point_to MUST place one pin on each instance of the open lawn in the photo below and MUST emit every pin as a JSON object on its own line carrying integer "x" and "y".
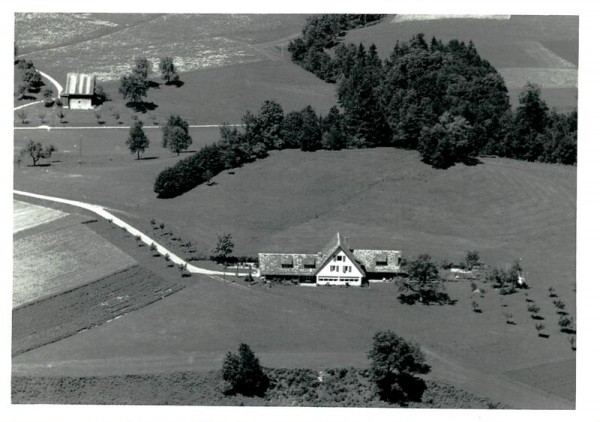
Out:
{"x": 210, "y": 96}
{"x": 381, "y": 198}
{"x": 311, "y": 327}
{"x": 105, "y": 147}
{"x": 539, "y": 49}
{"x": 60, "y": 255}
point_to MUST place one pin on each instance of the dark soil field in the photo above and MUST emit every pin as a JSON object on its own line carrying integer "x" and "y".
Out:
{"x": 87, "y": 306}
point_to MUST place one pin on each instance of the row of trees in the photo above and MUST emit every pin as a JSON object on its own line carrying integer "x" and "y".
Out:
{"x": 320, "y": 34}
{"x": 394, "y": 365}
{"x": 269, "y": 129}
{"x": 134, "y": 86}
{"x": 442, "y": 99}
{"x": 175, "y": 136}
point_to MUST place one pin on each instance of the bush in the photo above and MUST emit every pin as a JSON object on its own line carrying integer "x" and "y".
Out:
{"x": 566, "y": 324}
{"x": 244, "y": 372}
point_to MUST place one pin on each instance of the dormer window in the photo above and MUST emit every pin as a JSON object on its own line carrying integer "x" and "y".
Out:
{"x": 381, "y": 260}
{"x": 309, "y": 263}
{"x": 287, "y": 262}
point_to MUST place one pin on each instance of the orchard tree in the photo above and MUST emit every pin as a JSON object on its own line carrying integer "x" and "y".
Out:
{"x": 137, "y": 140}
{"x": 167, "y": 70}
{"x": 224, "y": 248}
{"x": 37, "y": 151}
{"x": 394, "y": 361}
{"x": 141, "y": 68}
{"x": 244, "y": 373}
{"x": 176, "y": 134}
{"x": 133, "y": 87}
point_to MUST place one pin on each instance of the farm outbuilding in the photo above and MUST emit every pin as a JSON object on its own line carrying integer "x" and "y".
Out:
{"x": 335, "y": 264}
{"x": 79, "y": 91}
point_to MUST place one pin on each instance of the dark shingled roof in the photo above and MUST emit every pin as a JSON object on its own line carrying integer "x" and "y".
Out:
{"x": 365, "y": 260}
{"x": 369, "y": 258}
{"x": 270, "y": 263}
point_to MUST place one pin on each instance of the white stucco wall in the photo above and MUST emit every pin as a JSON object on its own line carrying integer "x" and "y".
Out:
{"x": 80, "y": 104}
{"x": 337, "y": 275}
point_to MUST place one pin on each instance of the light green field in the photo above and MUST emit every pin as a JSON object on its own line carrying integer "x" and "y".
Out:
{"x": 61, "y": 255}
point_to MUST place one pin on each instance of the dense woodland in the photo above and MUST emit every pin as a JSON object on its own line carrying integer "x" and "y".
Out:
{"x": 441, "y": 99}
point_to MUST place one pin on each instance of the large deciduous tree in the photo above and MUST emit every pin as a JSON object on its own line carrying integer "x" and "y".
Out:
{"x": 394, "y": 361}
{"x": 421, "y": 283}
{"x": 223, "y": 249}
{"x": 37, "y": 151}
{"x": 137, "y": 140}
{"x": 133, "y": 87}
{"x": 176, "y": 134}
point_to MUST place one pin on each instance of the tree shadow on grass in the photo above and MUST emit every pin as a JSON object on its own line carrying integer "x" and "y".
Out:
{"x": 177, "y": 84}
{"x": 148, "y": 158}
{"x": 152, "y": 84}
{"x": 141, "y": 106}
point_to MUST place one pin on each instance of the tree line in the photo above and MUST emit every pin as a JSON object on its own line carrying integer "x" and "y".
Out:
{"x": 440, "y": 98}
{"x": 320, "y": 34}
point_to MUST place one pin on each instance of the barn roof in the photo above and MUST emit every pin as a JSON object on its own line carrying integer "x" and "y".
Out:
{"x": 79, "y": 84}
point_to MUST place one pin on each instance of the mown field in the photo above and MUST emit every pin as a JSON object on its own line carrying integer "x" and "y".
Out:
{"x": 382, "y": 198}
{"x": 294, "y": 201}
{"x": 538, "y": 49}
{"x": 59, "y": 255}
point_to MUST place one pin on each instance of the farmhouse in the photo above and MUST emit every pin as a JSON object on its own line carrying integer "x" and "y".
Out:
{"x": 335, "y": 264}
{"x": 79, "y": 91}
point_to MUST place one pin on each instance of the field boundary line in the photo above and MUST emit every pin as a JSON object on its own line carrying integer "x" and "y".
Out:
{"x": 46, "y": 127}
{"x": 101, "y": 211}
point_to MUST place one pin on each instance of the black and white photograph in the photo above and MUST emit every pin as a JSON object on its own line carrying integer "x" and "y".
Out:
{"x": 365, "y": 209}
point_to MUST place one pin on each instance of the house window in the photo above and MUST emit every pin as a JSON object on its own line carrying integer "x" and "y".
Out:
{"x": 339, "y": 257}
{"x": 347, "y": 268}
{"x": 309, "y": 265}
{"x": 287, "y": 265}
{"x": 332, "y": 268}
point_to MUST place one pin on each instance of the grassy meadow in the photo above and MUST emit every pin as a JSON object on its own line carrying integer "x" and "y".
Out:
{"x": 295, "y": 201}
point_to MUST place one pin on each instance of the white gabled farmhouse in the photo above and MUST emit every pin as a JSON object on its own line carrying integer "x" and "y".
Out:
{"x": 336, "y": 264}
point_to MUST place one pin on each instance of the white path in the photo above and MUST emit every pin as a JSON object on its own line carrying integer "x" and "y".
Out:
{"x": 58, "y": 86}
{"x": 45, "y": 127}
{"x": 53, "y": 81}
{"x": 101, "y": 211}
